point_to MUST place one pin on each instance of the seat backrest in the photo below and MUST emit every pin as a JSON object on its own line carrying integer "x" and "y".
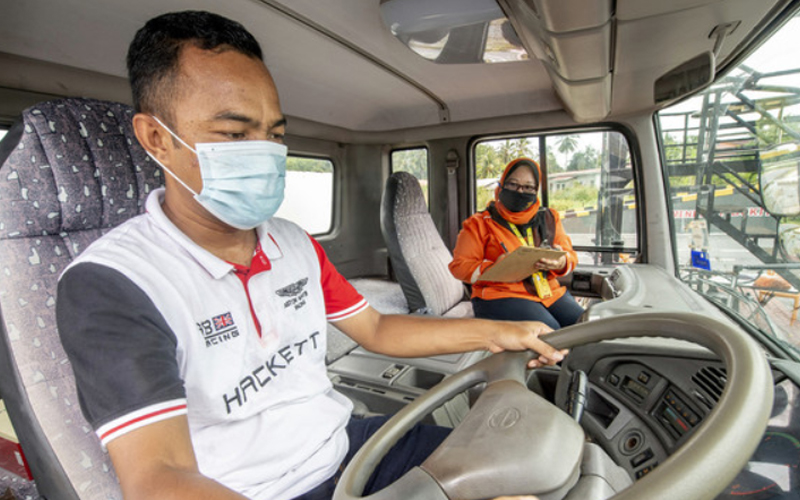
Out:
{"x": 418, "y": 254}
{"x": 69, "y": 171}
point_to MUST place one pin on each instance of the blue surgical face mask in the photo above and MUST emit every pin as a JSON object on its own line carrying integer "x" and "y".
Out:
{"x": 243, "y": 181}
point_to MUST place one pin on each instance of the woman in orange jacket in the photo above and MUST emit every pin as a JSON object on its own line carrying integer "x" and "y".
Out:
{"x": 514, "y": 219}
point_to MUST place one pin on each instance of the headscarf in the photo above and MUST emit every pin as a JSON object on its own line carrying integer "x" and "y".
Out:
{"x": 517, "y": 218}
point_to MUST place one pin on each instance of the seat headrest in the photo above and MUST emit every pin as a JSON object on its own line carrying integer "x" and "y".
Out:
{"x": 70, "y": 165}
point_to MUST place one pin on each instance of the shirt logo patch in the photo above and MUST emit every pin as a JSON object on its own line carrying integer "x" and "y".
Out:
{"x": 218, "y": 329}
{"x": 293, "y": 289}
{"x": 222, "y": 321}
{"x": 296, "y": 294}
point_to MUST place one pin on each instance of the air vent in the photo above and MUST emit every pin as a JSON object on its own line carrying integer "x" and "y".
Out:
{"x": 712, "y": 380}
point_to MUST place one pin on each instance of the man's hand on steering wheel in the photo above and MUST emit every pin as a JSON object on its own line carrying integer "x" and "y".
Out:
{"x": 524, "y": 335}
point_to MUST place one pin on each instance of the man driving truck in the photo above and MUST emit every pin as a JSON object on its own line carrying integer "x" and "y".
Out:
{"x": 190, "y": 367}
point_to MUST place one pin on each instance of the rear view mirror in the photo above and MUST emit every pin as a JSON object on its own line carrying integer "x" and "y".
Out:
{"x": 779, "y": 177}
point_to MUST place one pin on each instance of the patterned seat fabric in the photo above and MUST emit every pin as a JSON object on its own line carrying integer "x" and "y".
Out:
{"x": 418, "y": 253}
{"x": 71, "y": 170}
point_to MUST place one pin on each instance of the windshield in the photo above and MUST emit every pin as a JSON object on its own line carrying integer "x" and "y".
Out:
{"x": 728, "y": 245}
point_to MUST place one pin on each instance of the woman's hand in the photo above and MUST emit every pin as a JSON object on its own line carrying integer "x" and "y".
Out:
{"x": 552, "y": 264}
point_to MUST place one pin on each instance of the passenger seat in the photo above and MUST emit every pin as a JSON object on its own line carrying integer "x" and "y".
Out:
{"x": 418, "y": 254}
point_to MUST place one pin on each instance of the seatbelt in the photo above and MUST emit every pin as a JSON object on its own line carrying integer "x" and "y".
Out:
{"x": 452, "y": 163}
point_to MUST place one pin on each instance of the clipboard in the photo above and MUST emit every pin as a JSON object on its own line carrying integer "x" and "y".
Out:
{"x": 518, "y": 265}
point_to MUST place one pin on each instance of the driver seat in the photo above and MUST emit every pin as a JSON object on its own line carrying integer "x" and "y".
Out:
{"x": 70, "y": 170}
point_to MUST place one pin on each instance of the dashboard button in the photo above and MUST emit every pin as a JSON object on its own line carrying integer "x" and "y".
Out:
{"x": 641, "y": 458}
{"x": 645, "y": 471}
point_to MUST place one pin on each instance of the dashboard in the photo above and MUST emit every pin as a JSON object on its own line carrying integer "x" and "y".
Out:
{"x": 641, "y": 407}
{"x": 646, "y": 396}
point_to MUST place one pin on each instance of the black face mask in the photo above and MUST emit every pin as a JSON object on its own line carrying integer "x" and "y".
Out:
{"x": 516, "y": 201}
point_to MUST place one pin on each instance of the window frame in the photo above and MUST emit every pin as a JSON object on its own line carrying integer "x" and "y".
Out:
{"x": 604, "y": 252}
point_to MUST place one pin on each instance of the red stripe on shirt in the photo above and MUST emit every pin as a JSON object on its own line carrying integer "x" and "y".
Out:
{"x": 143, "y": 417}
{"x": 347, "y": 313}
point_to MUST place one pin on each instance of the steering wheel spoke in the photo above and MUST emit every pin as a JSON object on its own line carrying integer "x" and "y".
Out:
{"x": 512, "y": 441}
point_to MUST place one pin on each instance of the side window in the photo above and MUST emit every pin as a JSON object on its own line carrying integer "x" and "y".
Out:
{"x": 589, "y": 182}
{"x": 2, "y": 133}
{"x": 308, "y": 199}
{"x": 415, "y": 162}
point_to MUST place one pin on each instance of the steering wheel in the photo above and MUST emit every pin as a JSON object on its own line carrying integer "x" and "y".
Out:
{"x": 513, "y": 441}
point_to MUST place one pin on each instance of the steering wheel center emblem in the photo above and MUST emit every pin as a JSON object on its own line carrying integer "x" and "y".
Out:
{"x": 504, "y": 418}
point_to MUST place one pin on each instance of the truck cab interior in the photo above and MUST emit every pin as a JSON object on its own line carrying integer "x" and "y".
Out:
{"x": 668, "y": 138}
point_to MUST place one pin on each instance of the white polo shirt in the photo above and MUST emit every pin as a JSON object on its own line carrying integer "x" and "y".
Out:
{"x": 155, "y": 326}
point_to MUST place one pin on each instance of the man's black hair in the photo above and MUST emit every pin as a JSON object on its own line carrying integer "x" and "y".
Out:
{"x": 153, "y": 55}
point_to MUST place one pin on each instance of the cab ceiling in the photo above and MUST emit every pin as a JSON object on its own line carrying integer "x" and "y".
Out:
{"x": 336, "y": 63}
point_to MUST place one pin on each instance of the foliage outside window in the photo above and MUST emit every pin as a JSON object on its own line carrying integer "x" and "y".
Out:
{"x": 590, "y": 184}
{"x": 415, "y": 162}
{"x": 308, "y": 199}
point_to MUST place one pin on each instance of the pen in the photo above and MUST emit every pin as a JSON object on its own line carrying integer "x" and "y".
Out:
{"x": 505, "y": 250}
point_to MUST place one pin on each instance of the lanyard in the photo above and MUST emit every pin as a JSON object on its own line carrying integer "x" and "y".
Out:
{"x": 528, "y": 240}
{"x": 539, "y": 282}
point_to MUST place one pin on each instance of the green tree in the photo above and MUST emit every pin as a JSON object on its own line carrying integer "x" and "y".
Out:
{"x": 522, "y": 148}
{"x": 301, "y": 164}
{"x": 507, "y": 151}
{"x": 566, "y": 145}
{"x": 587, "y": 159}
{"x": 488, "y": 163}
{"x": 413, "y": 161}
{"x": 552, "y": 162}
{"x": 576, "y": 197}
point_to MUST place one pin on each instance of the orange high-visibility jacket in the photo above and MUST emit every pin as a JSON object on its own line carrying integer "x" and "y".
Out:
{"x": 478, "y": 247}
{"x": 479, "y": 244}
